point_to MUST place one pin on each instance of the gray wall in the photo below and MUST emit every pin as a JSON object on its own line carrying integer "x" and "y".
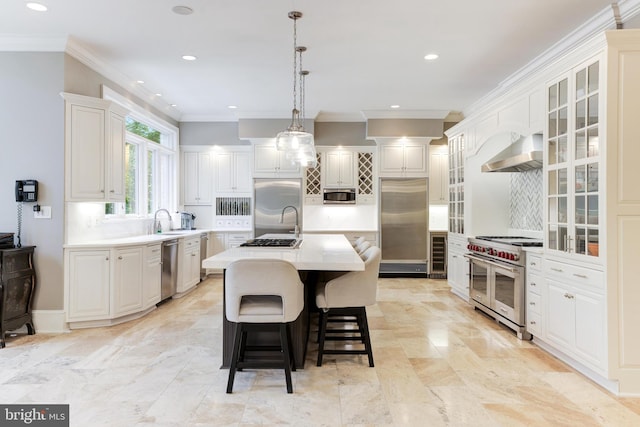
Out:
{"x": 32, "y": 147}
{"x": 210, "y": 133}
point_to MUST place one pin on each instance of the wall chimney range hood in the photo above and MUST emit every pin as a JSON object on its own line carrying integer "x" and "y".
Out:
{"x": 522, "y": 155}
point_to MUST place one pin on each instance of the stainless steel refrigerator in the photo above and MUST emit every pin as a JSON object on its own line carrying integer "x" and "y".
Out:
{"x": 403, "y": 226}
{"x": 271, "y": 196}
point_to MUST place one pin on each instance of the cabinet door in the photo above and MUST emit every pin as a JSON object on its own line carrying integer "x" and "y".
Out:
{"x": 392, "y": 159}
{"x": 266, "y": 159}
{"x": 560, "y": 314}
{"x": 116, "y": 157}
{"x": 151, "y": 290}
{"x": 224, "y": 172}
{"x": 438, "y": 175}
{"x": 204, "y": 184}
{"x": 589, "y": 332}
{"x": 339, "y": 170}
{"x": 242, "y": 174}
{"x": 88, "y": 285}
{"x": 127, "y": 281}
{"x": 85, "y": 152}
{"x": 190, "y": 178}
{"x": 415, "y": 159}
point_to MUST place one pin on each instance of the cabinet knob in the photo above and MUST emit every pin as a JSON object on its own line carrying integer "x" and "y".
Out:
{"x": 533, "y": 322}
{"x": 112, "y": 191}
{"x": 193, "y": 254}
{"x": 532, "y": 303}
{"x": 120, "y": 257}
{"x": 106, "y": 259}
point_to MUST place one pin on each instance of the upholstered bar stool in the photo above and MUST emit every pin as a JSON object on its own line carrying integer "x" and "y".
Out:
{"x": 358, "y": 241}
{"x": 362, "y": 247}
{"x": 342, "y": 301}
{"x": 262, "y": 295}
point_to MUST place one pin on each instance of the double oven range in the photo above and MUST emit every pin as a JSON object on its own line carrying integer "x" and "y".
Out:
{"x": 497, "y": 278}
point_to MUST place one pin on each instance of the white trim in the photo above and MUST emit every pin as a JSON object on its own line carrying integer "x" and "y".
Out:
{"x": 405, "y": 114}
{"x": 84, "y": 55}
{"x": 49, "y": 321}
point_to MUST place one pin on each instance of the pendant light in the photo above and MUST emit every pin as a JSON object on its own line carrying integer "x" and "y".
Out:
{"x": 295, "y": 141}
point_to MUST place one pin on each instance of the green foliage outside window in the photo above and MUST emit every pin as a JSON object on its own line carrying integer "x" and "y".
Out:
{"x": 143, "y": 130}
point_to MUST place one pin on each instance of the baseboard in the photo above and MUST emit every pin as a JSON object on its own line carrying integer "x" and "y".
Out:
{"x": 49, "y": 321}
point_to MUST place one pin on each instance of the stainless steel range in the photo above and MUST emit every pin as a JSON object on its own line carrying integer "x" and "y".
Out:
{"x": 497, "y": 278}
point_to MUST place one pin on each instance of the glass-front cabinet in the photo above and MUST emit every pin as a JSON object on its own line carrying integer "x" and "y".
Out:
{"x": 572, "y": 163}
{"x": 456, "y": 184}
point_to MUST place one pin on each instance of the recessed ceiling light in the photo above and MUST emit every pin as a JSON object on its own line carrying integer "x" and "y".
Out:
{"x": 37, "y": 7}
{"x": 232, "y": 107}
{"x": 140, "y": 82}
{"x": 158, "y": 94}
{"x": 182, "y": 10}
{"x": 189, "y": 57}
{"x": 431, "y": 56}
{"x": 174, "y": 105}
{"x": 395, "y": 106}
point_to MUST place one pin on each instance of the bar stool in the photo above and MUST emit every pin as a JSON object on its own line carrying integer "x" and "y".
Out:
{"x": 362, "y": 247}
{"x": 262, "y": 295}
{"x": 343, "y": 300}
{"x": 358, "y": 241}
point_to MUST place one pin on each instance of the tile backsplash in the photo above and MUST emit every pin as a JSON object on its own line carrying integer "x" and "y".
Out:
{"x": 526, "y": 200}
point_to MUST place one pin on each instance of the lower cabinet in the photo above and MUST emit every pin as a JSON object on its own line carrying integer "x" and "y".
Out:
{"x": 88, "y": 284}
{"x": 152, "y": 276}
{"x": 188, "y": 264}
{"x": 127, "y": 280}
{"x": 458, "y": 266}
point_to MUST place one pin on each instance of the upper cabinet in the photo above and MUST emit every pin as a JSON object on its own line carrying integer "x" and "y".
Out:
{"x": 271, "y": 163}
{"x": 403, "y": 158}
{"x": 456, "y": 184}
{"x": 573, "y": 161}
{"x": 197, "y": 177}
{"x": 339, "y": 169}
{"x": 233, "y": 171}
{"x": 94, "y": 149}
{"x": 438, "y": 174}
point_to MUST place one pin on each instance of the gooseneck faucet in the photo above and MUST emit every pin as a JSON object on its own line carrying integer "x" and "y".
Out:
{"x": 156, "y": 223}
{"x": 296, "y": 230}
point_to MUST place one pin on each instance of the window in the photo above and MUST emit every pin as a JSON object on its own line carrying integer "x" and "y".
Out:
{"x": 151, "y": 163}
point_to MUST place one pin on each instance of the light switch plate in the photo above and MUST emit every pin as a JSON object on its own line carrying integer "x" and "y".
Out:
{"x": 44, "y": 213}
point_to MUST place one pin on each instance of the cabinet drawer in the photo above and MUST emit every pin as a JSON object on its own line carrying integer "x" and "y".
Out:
{"x": 534, "y": 262}
{"x": 153, "y": 252}
{"x": 534, "y": 323}
{"x": 190, "y": 243}
{"x": 578, "y": 276}
{"x": 534, "y": 283}
{"x": 533, "y": 303}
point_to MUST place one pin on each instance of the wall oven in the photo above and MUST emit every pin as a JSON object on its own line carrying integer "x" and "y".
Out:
{"x": 497, "y": 279}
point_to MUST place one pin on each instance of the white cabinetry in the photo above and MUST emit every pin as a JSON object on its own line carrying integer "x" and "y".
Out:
{"x": 94, "y": 149}
{"x": 339, "y": 169}
{"x": 403, "y": 159}
{"x": 87, "y": 284}
{"x": 458, "y": 266}
{"x": 197, "y": 177}
{"x": 270, "y": 163}
{"x": 438, "y": 174}
{"x": 533, "y": 298}
{"x": 151, "y": 290}
{"x": 233, "y": 172}
{"x": 188, "y": 264}
{"x": 126, "y": 286}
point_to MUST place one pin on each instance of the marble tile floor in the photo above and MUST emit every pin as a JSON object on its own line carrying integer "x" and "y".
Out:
{"x": 438, "y": 363}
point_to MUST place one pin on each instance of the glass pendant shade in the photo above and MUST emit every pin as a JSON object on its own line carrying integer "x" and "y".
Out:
{"x": 304, "y": 155}
{"x": 288, "y": 140}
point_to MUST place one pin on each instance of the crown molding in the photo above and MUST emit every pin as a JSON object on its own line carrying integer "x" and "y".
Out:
{"x": 84, "y": 55}
{"x": 404, "y": 114}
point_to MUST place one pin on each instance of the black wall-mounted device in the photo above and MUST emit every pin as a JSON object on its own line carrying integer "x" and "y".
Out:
{"x": 27, "y": 190}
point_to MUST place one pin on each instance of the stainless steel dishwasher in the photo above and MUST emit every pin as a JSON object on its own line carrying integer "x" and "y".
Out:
{"x": 169, "y": 282}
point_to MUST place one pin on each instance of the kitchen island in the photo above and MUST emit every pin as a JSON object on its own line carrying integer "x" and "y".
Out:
{"x": 315, "y": 252}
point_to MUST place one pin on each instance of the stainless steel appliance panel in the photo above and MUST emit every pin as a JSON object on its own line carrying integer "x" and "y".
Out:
{"x": 271, "y": 196}
{"x": 204, "y": 243}
{"x": 169, "y": 279}
{"x": 403, "y": 225}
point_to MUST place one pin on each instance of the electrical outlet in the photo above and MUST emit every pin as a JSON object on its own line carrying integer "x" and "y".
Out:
{"x": 44, "y": 213}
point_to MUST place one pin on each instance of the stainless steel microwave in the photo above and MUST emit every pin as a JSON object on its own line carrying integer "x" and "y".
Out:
{"x": 339, "y": 196}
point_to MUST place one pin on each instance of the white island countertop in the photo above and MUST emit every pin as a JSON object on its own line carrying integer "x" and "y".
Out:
{"x": 315, "y": 252}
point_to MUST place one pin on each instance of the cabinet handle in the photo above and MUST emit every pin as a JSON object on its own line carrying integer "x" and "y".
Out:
{"x": 120, "y": 257}
{"x": 559, "y": 270}
{"x": 193, "y": 254}
{"x": 533, "y": 322}
{"x": 533, "y": 284}
{"x": 503, "y": 310}
{"x": 102, "y": 191}
{"x": 532, "y": 264}
{"x": 582, "y": 276}
{"x": 112, "y": 191}
{"x": 568, "y": 295}
{"x": 532, "y": 303}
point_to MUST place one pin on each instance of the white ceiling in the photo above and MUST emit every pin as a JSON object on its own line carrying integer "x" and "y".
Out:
{"x": 362, "y": 54}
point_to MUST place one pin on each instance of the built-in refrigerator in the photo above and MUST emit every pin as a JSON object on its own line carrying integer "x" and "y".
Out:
{"x": 271, "y": 196}
{"x": 404, "y": 220}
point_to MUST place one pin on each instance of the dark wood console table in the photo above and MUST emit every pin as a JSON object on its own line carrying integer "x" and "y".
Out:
{"x": 17, "y": 284}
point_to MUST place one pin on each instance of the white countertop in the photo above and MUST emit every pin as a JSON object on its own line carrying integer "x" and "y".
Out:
{"x": 316, "y": 252}
{"x": 143, "y": 239}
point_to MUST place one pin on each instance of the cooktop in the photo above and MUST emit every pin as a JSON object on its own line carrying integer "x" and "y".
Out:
{"x": 271, "y": 243}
